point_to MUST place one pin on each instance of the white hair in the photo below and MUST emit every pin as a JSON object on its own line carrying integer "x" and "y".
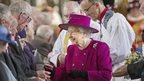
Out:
{"x": 85, "y": 31}
{"x": 101, "y": 1}
{"x": 71, "y": 7}
{"x": 4, "y": 12}
{"x": 44, "y": 31}
{"x": 20, "y": 6}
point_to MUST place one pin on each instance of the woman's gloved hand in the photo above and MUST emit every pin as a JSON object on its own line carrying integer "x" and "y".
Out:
{"x": 78, "y": 74}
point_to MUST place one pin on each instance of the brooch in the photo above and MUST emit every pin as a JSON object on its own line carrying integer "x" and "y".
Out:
{"x": 95, "y": 45}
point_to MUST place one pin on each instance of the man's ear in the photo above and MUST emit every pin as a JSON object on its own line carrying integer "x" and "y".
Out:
{"x": 96, "y": 4}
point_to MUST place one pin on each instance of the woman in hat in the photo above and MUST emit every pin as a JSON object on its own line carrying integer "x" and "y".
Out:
{"x": 5, "y": 39}
{"x": 87, "y": 59}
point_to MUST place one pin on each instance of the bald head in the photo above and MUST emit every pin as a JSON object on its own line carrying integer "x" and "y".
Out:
{"x": 71, "y": 7}
{"x": 44, "y": 31}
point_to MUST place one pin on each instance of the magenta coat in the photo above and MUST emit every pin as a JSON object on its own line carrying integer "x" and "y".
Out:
{"x": 95, "y": 59}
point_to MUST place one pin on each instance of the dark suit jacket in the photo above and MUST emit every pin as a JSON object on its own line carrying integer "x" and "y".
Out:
{"x": 5, "y": 73}
{"x": 136, "y": 70}
{"x": 18, "y": 63}
{"x": 12, "y": 60}
{"x": 42, "y": 46}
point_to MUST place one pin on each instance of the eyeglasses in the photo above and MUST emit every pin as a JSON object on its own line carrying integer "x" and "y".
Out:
{"x": 23, "y": 20}
{"x": 23, "y": 17}
{"x": 86, "y": 10}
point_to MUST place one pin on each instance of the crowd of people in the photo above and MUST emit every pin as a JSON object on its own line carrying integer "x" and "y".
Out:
{"x": 91, "y": 44}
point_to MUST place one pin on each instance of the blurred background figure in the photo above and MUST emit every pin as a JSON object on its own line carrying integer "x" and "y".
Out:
{"x": 136, "y": 19}
{"x": 43, "y": 42}
{"x": 22, "y": 11}
{"x": 121, "y": 6}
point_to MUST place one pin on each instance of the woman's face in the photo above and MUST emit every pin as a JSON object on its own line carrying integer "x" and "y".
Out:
{"x": 74, "y": 35}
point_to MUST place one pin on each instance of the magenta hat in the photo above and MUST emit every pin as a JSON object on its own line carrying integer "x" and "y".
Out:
{"x": 78, "y": 21}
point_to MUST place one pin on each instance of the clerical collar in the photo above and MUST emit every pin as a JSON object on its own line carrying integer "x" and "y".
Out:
{"x": 102, "y": 14}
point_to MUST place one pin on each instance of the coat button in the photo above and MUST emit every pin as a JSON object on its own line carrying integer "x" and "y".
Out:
{"x": 82, "y": 64}
{"x": 73, "y": 65}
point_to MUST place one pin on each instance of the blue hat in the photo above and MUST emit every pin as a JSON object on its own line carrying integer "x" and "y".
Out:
{"x": 5, "y": 35}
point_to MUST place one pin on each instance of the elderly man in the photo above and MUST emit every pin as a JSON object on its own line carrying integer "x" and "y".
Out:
{"x": 7, "y": 20}
{"x": 21, "y": 10}
{"x": 43, "y": 42}
{"x": 14, "y": 58}
{"x": 135, "y": 70}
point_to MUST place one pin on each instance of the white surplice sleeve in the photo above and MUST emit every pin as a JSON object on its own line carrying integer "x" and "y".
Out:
{"x": 122, "y": 37}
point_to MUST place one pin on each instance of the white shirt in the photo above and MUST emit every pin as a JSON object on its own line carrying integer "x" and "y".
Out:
{"x": 96, "y": 36}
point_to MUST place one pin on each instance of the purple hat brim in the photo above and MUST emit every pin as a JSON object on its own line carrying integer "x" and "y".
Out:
{"x": 65, "y": 27}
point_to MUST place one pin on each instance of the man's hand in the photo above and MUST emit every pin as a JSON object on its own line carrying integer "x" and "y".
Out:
{"x": 43, "y": 74}
{"x": 39, "y": 79}
{"x": 121, "y": 71}
{"x": 61, "y": 58}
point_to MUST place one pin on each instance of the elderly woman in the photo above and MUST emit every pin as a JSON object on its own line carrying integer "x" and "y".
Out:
{"x": 60, "y": 47}
{"x": 5, "y": 72}
{"x": 87, "y": 59}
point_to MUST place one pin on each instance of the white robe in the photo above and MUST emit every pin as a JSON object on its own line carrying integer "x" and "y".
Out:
{"x": 122, "y": 37}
